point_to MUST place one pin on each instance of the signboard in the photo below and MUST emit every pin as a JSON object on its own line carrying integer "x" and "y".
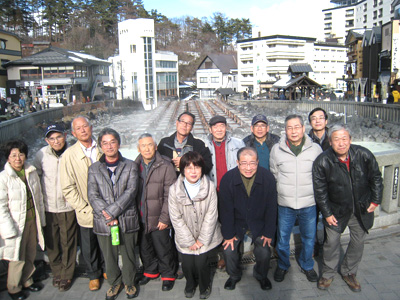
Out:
{"x": 395, "y": 182}
{"x": 13, "y": 91}
{"x": 44, "y": 93}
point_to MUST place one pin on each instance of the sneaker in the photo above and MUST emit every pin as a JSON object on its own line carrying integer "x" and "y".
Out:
{"x": 131, "y": 291}
{"x": 279, "y": 274}
{"x": 324, "y": 284}
{"x": 311, "y": 275}
{"x": 113, "y": 291}
{"x": 206, "y": 294}
{"x": 352, "y": 282}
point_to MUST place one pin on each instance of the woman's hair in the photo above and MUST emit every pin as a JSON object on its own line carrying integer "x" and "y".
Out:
{"x": 191, "y": 158}
{"x": 20, "y": 145}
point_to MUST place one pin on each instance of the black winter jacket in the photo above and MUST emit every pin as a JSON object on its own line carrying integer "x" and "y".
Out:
{"x": 117, "y": 200}
{"x": 167, "y": 146}
{"x": 325, "y": 142}
{"x": 161, "y": 176}
{"x": 339, "y": 192}
{"x": 238, "y": 212}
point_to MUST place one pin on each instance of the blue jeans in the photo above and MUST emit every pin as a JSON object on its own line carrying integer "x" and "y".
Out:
{"x": 286, "y": 218}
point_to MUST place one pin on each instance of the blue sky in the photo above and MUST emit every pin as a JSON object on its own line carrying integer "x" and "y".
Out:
{"x": 294, "y": 17}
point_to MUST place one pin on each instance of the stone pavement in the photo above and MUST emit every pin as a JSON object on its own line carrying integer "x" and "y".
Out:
{"x": 379, "y": 275}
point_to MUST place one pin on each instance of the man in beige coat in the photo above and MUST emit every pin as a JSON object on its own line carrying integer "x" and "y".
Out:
{"x": 74, "y": 177}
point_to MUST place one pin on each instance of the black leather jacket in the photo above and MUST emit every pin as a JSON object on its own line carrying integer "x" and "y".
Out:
{"x": 325, "y": 142}
{"x": 117, "y": 200}
{"x": 340, "y": 192}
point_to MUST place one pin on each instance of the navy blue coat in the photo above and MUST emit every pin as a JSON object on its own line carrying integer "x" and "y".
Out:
{"x": 256, "y": 213}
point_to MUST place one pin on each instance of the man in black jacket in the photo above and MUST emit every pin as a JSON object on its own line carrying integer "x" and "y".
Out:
{"x": 182, "y": 141}
{"x": 348, "y": 188}
{"x": 318, "y": 119}
{"x": 248, "y": 206}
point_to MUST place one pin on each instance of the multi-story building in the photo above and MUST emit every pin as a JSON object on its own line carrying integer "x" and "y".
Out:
{"x": 351, "y": 14}
{"x": 57, "y": 75}
{"x": 10, "y": 49}
{"x": 264, "y": 60}
{"x": 214, "y": 72}
{"x": 329, "y": 61}
{"x": 140, "y": 72}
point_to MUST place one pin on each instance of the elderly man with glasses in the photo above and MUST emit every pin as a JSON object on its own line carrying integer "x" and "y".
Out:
{"x": 291, "y": 163}
{"x": 248, "y": 206}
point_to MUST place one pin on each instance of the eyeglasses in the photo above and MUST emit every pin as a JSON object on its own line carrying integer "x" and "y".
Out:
{"x": 58, "y": 138}
{"x": 112, "y": 143}
{"x": 16, "y": 156}
{"x": 295, "y": 128}
{"x": 185, "y": 123}
{"x": 252, "y": 164}
{"x": 193, "y": 168}
{"x": 317, "y": 118}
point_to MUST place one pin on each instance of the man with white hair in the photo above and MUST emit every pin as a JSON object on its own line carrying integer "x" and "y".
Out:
{"x": 74, "y": 180}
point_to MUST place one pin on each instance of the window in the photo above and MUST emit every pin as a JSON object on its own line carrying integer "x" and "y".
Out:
{"x": 272, "y": 46}
{"x": 292, "y": 46}
{"x": 133, "y": 48}
{"x": 214, "y": 79}
{"x": 3, "y": 44}
{"x": 165, "y": 64}
{"x": 203, "y": 80}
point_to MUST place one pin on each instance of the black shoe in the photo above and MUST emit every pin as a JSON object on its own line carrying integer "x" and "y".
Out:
{"x": 279, "y": 274}
{"x": 206, "y": 294}
{"x": 265, "y": 284}
{"x": 34, "y": 287}
{"x": 167, "y": 285}
{"x": 18, "y": 296}
{"x": 190, "y": 294}
{"x": 145, "y": 280}
{"x": 311, "y": 275}
{"x": 230, "y": 284}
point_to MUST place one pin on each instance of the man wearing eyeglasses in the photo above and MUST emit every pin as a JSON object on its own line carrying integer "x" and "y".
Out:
{"x": 74, "y": 183}
{"x": 182, "y": 141}
{"x": 261, "y": 139}
{"x": 247, "y": 207}
{"x": 291, "y": 163}
{"x": 61, "y": 228}
{"x": 318, "y": 119}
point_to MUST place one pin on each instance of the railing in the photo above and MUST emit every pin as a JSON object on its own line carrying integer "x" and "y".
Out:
{"x": 385, "y": 112}
{"x": 14, "y": 128}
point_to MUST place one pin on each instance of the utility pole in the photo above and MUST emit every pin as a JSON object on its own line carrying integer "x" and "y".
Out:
{"x": 122, "y": 80}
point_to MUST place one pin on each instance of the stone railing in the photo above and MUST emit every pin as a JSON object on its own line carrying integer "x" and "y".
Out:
{"x": 385, "y": 112}
{"x": 14, "y": 128}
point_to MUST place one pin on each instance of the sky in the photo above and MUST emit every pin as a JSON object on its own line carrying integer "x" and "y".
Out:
{"x": 289, "y": 17}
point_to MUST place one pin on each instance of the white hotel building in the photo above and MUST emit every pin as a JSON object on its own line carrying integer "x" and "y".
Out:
{"x": 140, "y": 72}
{"x": 265, "y": 59}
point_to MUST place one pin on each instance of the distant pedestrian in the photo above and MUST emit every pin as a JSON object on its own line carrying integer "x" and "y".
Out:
{"x": 22, "y": 103}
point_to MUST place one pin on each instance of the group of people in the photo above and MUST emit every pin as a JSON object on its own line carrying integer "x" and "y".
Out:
{"x": 183, "y": 201}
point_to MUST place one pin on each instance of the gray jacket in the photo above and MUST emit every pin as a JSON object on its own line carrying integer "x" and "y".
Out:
{"x": 117, "y": 200}
{"x": 293, "y": 173}
{"x": 47, "y": 165}
{"x": 232, "y": 146}
{"x": 194, "y": 220}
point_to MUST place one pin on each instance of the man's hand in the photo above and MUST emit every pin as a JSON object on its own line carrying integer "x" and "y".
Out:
{"x": 161, "y": 226}
{"x": 371, "y": 208}
{"x": 112, "y": 223}
{"x": 176, "y": 161}
{"x": 266, "y": 240}
{"x": 196, "y": 246}
{"x": 228, "y": 243}
{"x": 106, "y": 215}
{"x": 331, "y": 220}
